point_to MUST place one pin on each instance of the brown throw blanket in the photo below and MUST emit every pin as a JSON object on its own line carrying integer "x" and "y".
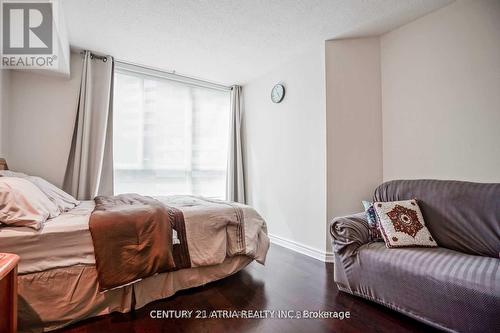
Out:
{"x": 132, "y": 236}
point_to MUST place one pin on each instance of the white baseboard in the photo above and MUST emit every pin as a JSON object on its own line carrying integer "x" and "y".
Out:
{"x": 302, "y": 249}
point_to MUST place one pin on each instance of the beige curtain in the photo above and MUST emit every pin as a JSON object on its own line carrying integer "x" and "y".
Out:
{"x": 235, "y": 180}
{"x": 90, "y": 165}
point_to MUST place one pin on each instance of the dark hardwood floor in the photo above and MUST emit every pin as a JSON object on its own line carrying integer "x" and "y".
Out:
{"x": 289, "y": 281}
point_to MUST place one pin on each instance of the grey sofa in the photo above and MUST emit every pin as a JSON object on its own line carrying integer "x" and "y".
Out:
{"x": 454, "y": 287}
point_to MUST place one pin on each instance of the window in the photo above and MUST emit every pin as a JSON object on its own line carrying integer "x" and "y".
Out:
{"x": 169, "y": 137}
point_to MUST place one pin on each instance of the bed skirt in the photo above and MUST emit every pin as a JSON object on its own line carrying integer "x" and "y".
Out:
{"x": 59, "y": 297}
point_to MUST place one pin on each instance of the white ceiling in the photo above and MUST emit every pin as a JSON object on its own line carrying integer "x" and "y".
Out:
{"x": 227, "y": 41}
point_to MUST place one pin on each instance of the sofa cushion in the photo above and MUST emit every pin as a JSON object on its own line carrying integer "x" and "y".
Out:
{"x": 462, "y": 216}
{"x": 433, "y": 285}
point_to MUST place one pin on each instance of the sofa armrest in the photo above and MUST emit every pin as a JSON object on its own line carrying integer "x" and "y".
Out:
{"x": 349, "y": 233}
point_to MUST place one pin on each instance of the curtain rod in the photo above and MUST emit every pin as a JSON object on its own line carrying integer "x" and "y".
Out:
{"x": 94, "y": 55}
{"x": 172, "y": 75}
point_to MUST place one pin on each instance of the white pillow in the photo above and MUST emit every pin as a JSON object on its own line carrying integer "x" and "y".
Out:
{"x": 23, "y": 204}
{"x": 8, "y": 173}
{"x": 61, "y": 199}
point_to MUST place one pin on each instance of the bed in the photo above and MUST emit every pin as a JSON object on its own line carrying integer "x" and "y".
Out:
{"x": 58, "y": 282}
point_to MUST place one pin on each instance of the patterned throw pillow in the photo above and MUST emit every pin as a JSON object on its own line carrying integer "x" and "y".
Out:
{"x": 371, "y": 217}
{"x": 402, "y": 224}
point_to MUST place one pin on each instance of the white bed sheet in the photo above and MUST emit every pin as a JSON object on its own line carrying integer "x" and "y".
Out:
{"x": 63, "y": 241}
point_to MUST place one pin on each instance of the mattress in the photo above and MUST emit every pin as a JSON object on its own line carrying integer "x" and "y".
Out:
{"x": 63, "y": 241}
{"x": 211, "y": 226}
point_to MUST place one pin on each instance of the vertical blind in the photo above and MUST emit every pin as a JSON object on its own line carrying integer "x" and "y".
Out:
{"x": 169, "y": 137}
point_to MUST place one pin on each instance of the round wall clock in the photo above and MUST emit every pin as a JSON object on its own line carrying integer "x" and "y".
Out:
{"x": 278, "y": 93}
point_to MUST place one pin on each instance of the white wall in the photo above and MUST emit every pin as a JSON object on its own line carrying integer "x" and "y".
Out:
{"x": 40, "y": 121}
{"x": 441, "y": 95}
{"x": 317, "y": 154}
{"x": 4, "y": 106}
{"x": 285, "y": 150}
{"x": 354, "y": 123}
